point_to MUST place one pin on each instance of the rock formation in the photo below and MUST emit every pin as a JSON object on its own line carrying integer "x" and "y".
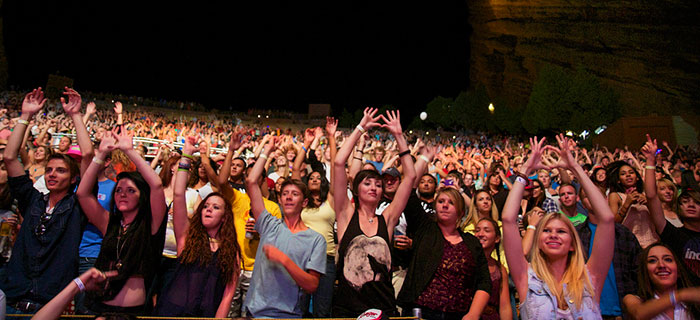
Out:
{"x": 647, "y": 50}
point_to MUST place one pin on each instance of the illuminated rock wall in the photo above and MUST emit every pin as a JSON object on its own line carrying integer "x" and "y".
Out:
{"x": 648, "y": 50}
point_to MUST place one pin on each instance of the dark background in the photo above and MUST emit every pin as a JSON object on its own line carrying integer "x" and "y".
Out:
{"x": 258, "y": 54}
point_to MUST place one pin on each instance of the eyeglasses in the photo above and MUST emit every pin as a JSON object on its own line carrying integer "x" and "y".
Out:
{"x": 43, "y": 221}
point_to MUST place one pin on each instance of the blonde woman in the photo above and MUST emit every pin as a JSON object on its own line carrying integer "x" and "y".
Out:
{"x": 558, "y": 282}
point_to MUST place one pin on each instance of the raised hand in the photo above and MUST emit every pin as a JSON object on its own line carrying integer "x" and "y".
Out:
{"x": 331, "y": 126}
{"x": 235, "y": 141}
{"x": 72, "y": 106}
{"x": 369, "y": 120}
{"x": 534, "y": 161}
{"x": 90, "y": 108}
{"x": 309, "y": 135}
{"x": 108, "y": 143}
{"x": 318, "y": 132}
{"x": 392, "y": 122}
{"x": 118, "y": 108}
{"x": 125, "y": 140}
{"x": 566, "y": 159}
{"x": 189, "y": 147}
{"x": 33, "y": 101}
{"x": 649, "y": 149}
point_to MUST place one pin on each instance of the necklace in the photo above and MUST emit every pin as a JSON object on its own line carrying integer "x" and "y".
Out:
{"x": 371, "y": 220}
{"x": 122, "y": 232}
{"x": 212, "y": 240}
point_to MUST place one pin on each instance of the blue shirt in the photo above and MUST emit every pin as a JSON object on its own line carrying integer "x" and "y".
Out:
{"x": 377, "y": 165}
{"x": 92, "y": 237}
{"x": 273, "y": 293}
{"x": 609, "y": 300}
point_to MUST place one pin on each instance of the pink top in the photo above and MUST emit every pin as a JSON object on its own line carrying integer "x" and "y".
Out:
{"x": 638, "y": 220}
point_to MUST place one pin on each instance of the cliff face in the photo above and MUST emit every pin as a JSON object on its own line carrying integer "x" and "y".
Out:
{"x": 647, "y": 50}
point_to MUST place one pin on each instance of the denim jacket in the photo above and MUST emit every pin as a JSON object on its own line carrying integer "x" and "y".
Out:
{"x": 540, "y": 303}
{"x": 41, "y": 265}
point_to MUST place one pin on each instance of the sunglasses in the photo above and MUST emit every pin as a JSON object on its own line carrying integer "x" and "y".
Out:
{"x": 40, "y": 230}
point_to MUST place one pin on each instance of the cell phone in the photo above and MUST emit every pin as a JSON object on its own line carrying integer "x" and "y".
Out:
{"x": 658, "y": 150}
{"x": 449, "y": 182}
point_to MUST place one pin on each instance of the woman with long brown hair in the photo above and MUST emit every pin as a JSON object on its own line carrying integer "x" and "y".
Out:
{"x": 208, "y": 253}
{"x": 665, "y": 287}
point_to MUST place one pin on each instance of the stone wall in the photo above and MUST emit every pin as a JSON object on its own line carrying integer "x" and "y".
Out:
{"x": 647, "y": 50}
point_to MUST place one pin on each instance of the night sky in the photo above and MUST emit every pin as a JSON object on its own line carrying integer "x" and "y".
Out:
{"x": 266, "y": 54}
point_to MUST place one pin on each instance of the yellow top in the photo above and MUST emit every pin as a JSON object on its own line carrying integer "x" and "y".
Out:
{"x": 241, "y": 213}
{"x": 321, "y": 220}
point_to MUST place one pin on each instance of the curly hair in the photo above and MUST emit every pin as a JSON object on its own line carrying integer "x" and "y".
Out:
{"x": 613, "y": 172}
{"x": 197, "y": 250}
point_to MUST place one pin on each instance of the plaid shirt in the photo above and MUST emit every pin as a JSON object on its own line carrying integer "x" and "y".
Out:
{"x": 625, "y": 263}
{"x": 549, "y": 205}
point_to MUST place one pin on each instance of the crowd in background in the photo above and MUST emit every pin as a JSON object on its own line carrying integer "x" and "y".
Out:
{"x": 225, "y": 218}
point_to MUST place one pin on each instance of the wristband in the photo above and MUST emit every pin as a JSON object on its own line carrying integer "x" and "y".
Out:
{"x": 98, "y": 161}
{"x": 359, "y": 127}
{"x": 263, "y": 156}
{"x": 80, "y": 284}
{"x": 188, "y": 156}
{"x": 183, "y": 165}
{"x": 357, "y": 158}
{"x": 672, "y": 296}
{"x": 424, "y": 158}
{"x": 403, "y": 153}
{"x": 22, "y": 121}
{"x": 650, "y": 167}
{"x": 532, "y": 227}
{"x": 302, "y": 147}
{"x": 521, "y": 180}
{"x": 183, "y": 170}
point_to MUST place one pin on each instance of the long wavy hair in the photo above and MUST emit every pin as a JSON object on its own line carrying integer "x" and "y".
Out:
{"x": 575, "y": 277}
{"x": 166, "y": 176}
{"x": 473, "y": 214}
{"x": 197, "y": 250}
{"x": 646, "y": 289}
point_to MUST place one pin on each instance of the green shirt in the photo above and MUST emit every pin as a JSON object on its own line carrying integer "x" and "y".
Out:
{"x": 579, "y": 218}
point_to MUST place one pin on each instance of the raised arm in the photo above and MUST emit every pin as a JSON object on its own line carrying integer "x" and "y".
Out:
{"x": 602, "y": 252}
{"x": 72, "y": 108}
{"x": 653, "y": 201}
{"x": 33, "y": 102}
{"x": 206, "y": 163}
{"x": 181, "y": 222}
{"x": 257, "y": 205}
{"x": 392, "y": 122}
{"x": 96, "y": 214}
{"x": 511, "y": 234}
{"x": 357, "y": 156}
{"x": 422, "y": 162}
{"x": 343, "y": 211}
{"x": 331, "y": 129}
{"x": 125, "y": 144}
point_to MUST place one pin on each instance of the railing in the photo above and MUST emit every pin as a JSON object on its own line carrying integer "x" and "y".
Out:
{"x": 150, "y": 144}
{"x": 69, "y": 316}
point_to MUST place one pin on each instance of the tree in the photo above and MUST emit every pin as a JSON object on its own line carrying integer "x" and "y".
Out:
{"x": 561, "y": 101}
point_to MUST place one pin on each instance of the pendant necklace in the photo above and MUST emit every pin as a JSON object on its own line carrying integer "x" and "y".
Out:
{"x": 122, "y": 232}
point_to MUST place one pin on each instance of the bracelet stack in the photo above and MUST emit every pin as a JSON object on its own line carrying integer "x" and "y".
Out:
{"x": 188, "y": 156}
{"x": 362, "y": 130}
{"x": 184, "y": 166}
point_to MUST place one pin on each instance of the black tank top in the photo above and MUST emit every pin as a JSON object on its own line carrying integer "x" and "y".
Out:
{"x": 364, "y": 272}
